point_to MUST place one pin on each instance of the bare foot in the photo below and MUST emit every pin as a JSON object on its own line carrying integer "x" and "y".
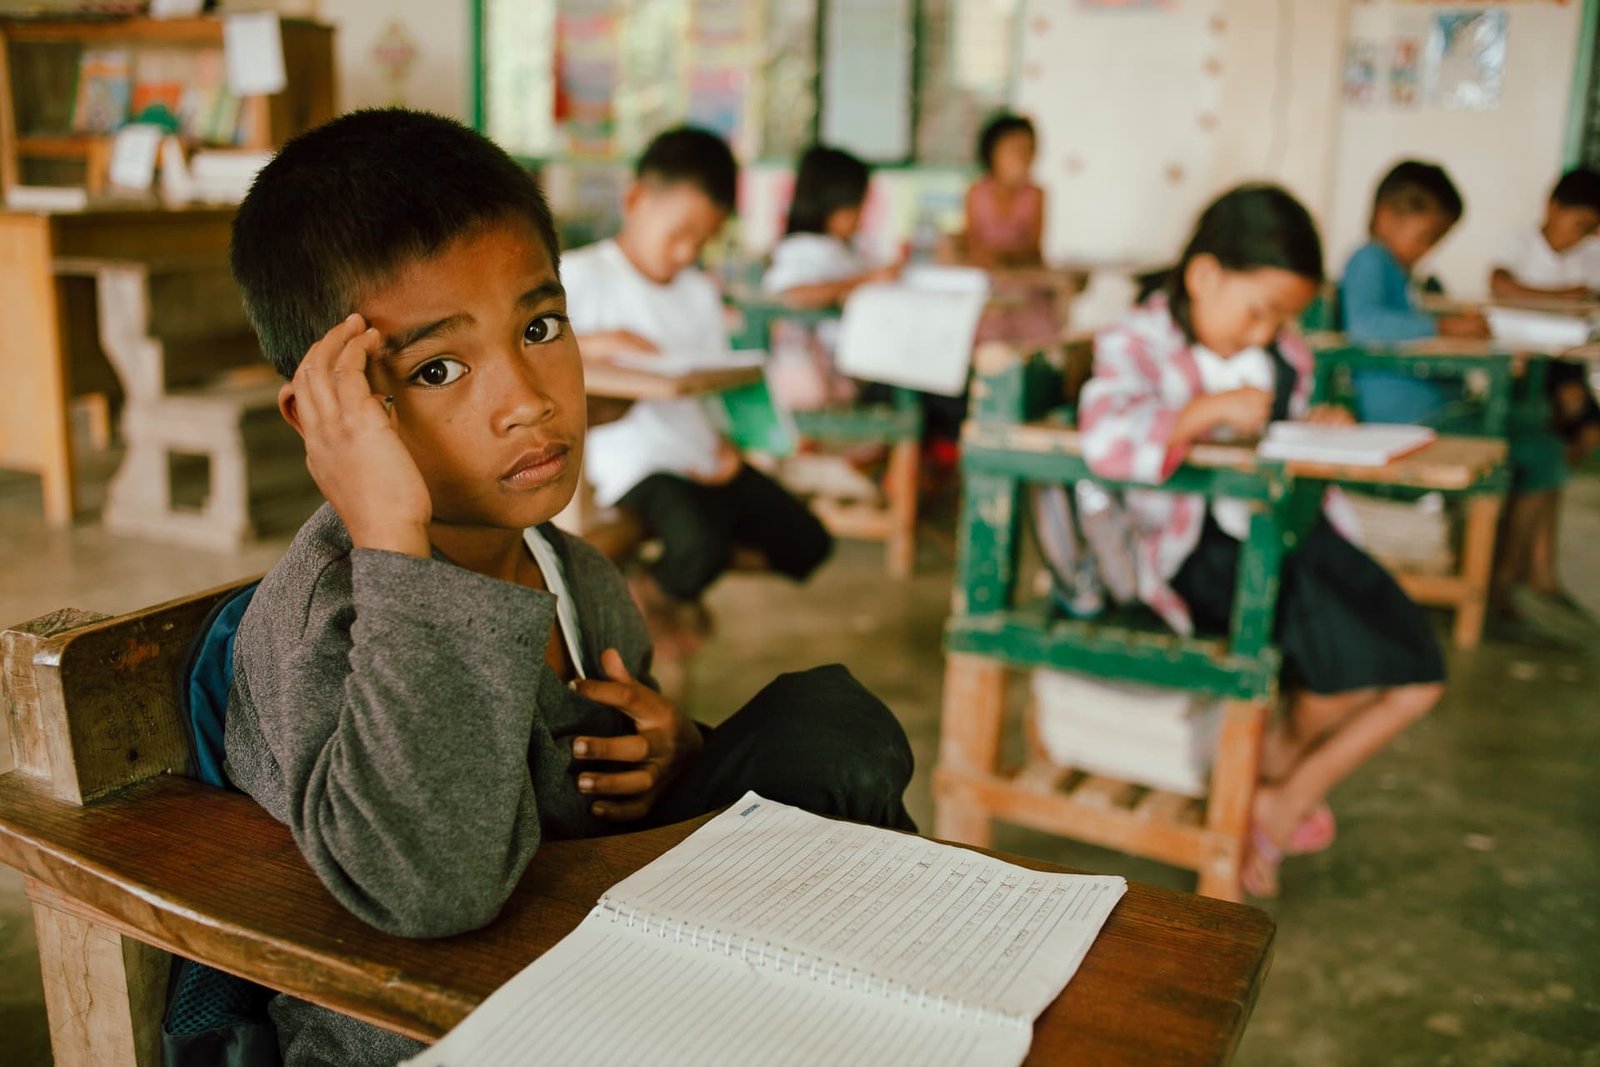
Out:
{"x": 1268, "y": 835}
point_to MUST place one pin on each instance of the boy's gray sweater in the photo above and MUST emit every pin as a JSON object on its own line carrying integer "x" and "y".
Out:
{"x": 399, "y": 716}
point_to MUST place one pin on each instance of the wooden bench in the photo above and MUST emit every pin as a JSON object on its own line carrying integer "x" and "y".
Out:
{"x": 126, "y": 860}
{"x": 1017, "y": 435}
{"x": 896, "y": 425}
{"x": 194, "y": 385}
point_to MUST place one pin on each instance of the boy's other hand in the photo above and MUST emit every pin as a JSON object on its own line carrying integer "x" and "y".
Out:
{"x": 724, "y": 469}
{"x": 1471, "y": 325}
{"x": 1330, "y": 415}
{"x": 353, "y": 449}
{"x": 608, "y": 343}
{"x": 666, "y": 740}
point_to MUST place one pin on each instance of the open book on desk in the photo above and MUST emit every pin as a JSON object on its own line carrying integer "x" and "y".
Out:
{"x": 683, "y": 364}
{"x": 771, "y": 935}
{"x": 1364, "y": 445}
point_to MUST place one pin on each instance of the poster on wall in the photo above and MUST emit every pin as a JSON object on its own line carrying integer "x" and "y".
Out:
{"x": 1362, "y": 63}
{"x": 1405, "y": 72}
{"x": 1466, "y": 59}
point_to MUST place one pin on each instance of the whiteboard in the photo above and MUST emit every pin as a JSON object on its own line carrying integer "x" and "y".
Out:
{"x": 866, "y": 77}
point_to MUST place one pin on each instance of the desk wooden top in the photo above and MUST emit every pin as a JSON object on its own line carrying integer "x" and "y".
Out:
{"x": 1457, "y": 348}
{"x": 1447, "y": 463}
{"x": 605, "y": 379}
{"x": 1550, "y": 305}
{"x": 1171, "y": 980}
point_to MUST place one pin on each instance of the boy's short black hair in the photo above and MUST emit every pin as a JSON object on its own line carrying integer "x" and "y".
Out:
{"x": 1413, "y": 186}
{"x": 695, "y": 157}
{"x": 1579, "y": 187}
{"x": 827, "y": 180}
{"x": 1002, "y": 124}
{"x": 343, "y": 206}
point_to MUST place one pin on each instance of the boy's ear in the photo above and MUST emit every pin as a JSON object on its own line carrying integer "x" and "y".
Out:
{"x": 286, "y": 408}
{"x": 632, "y": 195}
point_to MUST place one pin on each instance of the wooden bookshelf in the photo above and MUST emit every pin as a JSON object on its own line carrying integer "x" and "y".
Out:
{"x": 39, "y": 62}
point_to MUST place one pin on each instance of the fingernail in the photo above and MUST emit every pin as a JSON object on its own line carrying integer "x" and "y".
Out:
{"x": 580, "y": 748}
{"x": 585, "y": 782}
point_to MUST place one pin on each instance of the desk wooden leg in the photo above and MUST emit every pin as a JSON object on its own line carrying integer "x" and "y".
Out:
{"x": 969, "y": 743}
{"x": 103, "y": 992}
{"x": 1477, "y": 566}
{"x": 1233, "y": 787}
{"x": 900, "y": 486}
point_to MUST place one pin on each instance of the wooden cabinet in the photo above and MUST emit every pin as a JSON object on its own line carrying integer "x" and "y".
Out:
{"x": 40, "y": 64}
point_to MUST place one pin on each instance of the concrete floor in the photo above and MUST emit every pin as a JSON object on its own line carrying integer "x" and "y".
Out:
{"x": 1455, "y": 921}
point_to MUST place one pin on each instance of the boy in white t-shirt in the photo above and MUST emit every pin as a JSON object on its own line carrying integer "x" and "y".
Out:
{"x": 1559, "y": 260}
{"x": 667, "y": 461}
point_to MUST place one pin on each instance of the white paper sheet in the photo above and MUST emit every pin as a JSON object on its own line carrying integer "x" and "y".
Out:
{"x": 780, "y": 936}
{"x": 910, "y": 337}
{"x": 1367, "y": 445}
{"x": 252, "y": 46}
{"x": 1540, "y": 331}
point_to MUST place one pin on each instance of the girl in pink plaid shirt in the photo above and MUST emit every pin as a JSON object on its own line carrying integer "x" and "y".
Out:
{"x": 1212, "y": 355}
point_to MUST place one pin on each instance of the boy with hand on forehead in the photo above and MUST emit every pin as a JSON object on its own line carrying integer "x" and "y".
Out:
{"x": 434, "y": 679}
{"x": 667, "y": 461}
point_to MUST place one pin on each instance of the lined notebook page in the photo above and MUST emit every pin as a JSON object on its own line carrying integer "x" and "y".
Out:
{"x": 953, "y": 923}
{"x": 772, "y": 935}
{"x": 608, "y": 994}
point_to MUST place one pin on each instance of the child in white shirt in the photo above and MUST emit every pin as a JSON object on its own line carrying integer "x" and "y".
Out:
{"x": 667, "y": 461}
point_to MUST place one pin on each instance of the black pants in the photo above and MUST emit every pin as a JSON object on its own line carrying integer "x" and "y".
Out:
{"x": 699, "y": 527}
{"x": 816, "y": 739}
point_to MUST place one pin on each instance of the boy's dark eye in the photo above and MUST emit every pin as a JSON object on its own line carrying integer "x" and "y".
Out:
{"x": 437, "y": 372}
{"x": 544, "y": 328}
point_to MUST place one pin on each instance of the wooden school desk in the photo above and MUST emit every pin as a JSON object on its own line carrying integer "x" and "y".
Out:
{"x": 207, "y": 874}
{"x": 43, "y": 349}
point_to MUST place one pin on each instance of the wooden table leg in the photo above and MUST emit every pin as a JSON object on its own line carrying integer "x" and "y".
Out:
{"x": 900, "y": 487}
{"x": 969, "y": 742}
{"x": 104, "y": 993}
{"x": 1477, "y": 566}
{"x": 1233, "y": 787}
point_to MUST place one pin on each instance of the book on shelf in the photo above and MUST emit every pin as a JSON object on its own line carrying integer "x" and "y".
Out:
{"x": 799, "y": 939}
{"x": 104, "y": 92}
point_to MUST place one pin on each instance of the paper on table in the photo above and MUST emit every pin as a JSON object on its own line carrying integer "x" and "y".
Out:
{"x": 915, "y": 338}
{"x": 1543, "y": 331}
{"x": 1367, "y": 445}
{"x": 683, "y": 364}
{"x": 252, "y": 46}
{"x": 780, "y": 932}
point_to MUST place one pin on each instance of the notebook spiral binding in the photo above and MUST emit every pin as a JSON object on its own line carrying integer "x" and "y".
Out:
{"x": 802, "y": 965}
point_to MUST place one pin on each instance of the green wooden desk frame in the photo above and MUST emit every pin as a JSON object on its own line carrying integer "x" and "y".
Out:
{"x": 897, "y": 424}
{"x": 1014, "y": 439}
{"x": 1465, "y": 591}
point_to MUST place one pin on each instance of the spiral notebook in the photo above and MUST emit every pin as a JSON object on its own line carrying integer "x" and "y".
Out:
{"x": 773, "y": 935}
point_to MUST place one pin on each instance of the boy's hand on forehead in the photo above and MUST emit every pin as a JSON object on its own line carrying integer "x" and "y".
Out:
{"x": 666, "y": 740}
{"x": 353, "y": 449}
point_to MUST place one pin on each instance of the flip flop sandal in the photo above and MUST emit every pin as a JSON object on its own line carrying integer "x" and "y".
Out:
{"x": 1314, "y": 833}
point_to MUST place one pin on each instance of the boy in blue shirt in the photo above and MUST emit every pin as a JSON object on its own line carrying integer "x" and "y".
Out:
{"x": 1415, "y": 206}
{"x": 434, "y": 679}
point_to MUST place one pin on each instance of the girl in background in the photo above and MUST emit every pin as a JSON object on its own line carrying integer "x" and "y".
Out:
{"x": 1213, "y": 354}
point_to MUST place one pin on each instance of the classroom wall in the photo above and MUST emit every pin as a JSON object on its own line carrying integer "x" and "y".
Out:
{"x": 1504, "y": 160}
{"x": 439, "y": 33}
{"x": 1145, "y": 115}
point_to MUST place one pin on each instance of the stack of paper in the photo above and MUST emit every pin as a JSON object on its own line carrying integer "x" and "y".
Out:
{"x": 911, "y": 337}
{"x": 1161, "y": 738}
{"x": 683, "y": 364}
{"x": 1367, "y": 445}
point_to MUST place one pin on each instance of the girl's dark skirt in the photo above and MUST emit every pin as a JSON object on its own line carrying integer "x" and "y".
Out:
{"x": 1343, "y": 623}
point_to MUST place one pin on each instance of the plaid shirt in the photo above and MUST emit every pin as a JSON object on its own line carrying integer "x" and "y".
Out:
{"x": 1145, "y": 374}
